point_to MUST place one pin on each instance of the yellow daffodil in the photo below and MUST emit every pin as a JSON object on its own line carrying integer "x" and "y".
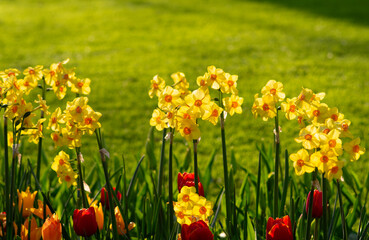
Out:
{"x": 264, "y": 107}
{"x": 157, "y": 86}
{"x": 169, "y": 99}
{"x": 171, "y": 118}
{"x": 216, "y": 77}
{"x": 157, "y": 120}
{"x": 290, "y": 108}
{"x": 274, "y": 89}
{"x": 188, "y": 197}
{"x": 61, "y": 161}
{"x": 332, "y": 142}
{"x": 185, "y": 112}
{"x": 90, "y": 121}
{"x": 189, "y": 130}
{"x": 354, "y": 149}
{"x": 71, "y": 137}
{"x": 9, "y": 73}
{"x": 345, "y": 132}
{"x": 212, "y": 115}
{"x": 229, "y": 85}
{"x": 27, "y": 84}
{"x": 56, "y": 118}
{"x": 57, "y": 139}
{"x": 318, "y": 113}
{"x": 335, "y": 115}
{"x": 180, "y": 83}
{"x": 199, "y": 102}
{"x": 204, "y": 209}
{"x": 81, "y": 86}
{"x": 304, "y": 99}
{"x": 67, "y": 77}
{"x": 323, "y": 160}
{"x": 68, "y": 176}
{"x": 233, "y": 104}
{"x": 34, "y": 72}
{"x": 309, "y": 137}
{"x": 78, "y": 108}
{"x": 25, "y": 201}
{"x": 334, "y": 171}
{"x": 203, "y": 82}
{"x": 301, "y": 162}
{"x": 60, "y": 90}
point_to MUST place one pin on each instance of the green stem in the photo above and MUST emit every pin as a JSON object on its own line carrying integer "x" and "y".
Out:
{"x": 161, "y": 167}
{"x": 12, "y": 184}
{"x": 6, "y": 164}
{"x": 344, "y": 233}
{"x": 38, "y": 172}
{"x": 225, "y": 171}
{"x": 257, "y": 194}
{"x": 108, "y": 185}
{"x": 171, "y": 210}
{"x": 325, "y": 204}
{"x": 196, "y": 169}
{"x": 276, "y": 166}
{"x": 80, "y": 180}
{"x": 316, "y": 231}
{"x": 310, "y": 209}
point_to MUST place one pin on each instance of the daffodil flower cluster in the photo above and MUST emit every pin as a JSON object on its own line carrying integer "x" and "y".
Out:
{"x": 21, "y": 112}
{"x": 77, "y": 119}
{"x": 265, "y": 106}
{"x": 59, "y": 78}
{"x": 191, "y": 207}
{"x": 179, "y": 108}
{"x": 64, "y": 170}
{"x": 321, "y": 130}
{"x": 14, "y": 89}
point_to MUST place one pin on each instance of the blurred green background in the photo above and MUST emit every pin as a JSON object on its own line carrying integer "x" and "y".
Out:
{"x": 121, "y": 45}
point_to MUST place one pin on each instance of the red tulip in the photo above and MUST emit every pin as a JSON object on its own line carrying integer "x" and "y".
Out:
{"x": 279, "y": 229}
{"x": 105, "y": 199}
{"x": 188, "y": 179}
{"x": 84, "y": 222}
{"x": 196, "y": 231}
{"x": 317, "y": 211}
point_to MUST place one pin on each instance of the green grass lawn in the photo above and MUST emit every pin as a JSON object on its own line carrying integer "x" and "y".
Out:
{"x": 121, "y": 45}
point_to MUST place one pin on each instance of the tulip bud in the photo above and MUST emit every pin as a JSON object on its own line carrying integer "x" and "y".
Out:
{"x": 52, "y": 229}
{"x": 279, "y": 229}
{"x": 84, "y": 222}
{"x": 105, "y": 199}
{"x": 196, "y": 231}
{"x": 188, "y": 179}
{"x": 317, "y": 210}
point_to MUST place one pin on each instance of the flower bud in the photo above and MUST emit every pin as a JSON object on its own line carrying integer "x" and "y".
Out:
{"x": 84, "y": 222}
{"x": 105, "y": 197}
{"x": 188, "y": 179}
{"x": 317, "y": 210}
{"x": 52, "y": 229}
{"x": 196, "y": 231}
{"x": 279, "y": 229}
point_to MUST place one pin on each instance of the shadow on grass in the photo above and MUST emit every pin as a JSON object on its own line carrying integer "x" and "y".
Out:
{"x": 355, "y": 11}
